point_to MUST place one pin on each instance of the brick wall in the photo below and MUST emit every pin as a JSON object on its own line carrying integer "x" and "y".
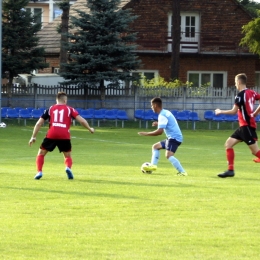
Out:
{"x": 220, "y": 23}
{"x": 233, "y": 65}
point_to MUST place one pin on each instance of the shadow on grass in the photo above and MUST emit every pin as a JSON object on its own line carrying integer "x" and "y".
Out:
{"x": 88, "y": 194}
{"x": 175, "y": 185}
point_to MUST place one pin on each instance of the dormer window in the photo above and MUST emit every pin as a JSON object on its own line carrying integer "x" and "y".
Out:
{"x": 190, "y": 31}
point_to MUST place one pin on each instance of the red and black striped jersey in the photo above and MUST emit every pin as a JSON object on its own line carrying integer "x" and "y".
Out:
{"x": 245, "y": 101}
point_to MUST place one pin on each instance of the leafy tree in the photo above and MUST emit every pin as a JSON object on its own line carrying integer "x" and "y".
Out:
{"x": 102, "y": 47}
{"x": 251, "y": 6}
{"x": 19, "y": 45}
{"x": 252, "y": 36}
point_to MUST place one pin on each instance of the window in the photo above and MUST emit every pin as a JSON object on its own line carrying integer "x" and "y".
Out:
{"x": 214, "y": 79}
{"x": 36, "y": 12}
{"x": 190, "y": 30}
{"x": 55, "y": 70}
{"x": 189, "y": 26}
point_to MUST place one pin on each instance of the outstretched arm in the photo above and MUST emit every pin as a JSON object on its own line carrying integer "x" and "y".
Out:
{"x": 158, "y": 131}
{"x": 232, "y": 111}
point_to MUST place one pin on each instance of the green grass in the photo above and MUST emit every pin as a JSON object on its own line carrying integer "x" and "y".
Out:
{"x": 113, "y": 211}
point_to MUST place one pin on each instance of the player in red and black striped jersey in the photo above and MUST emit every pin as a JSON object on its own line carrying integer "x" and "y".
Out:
{"x": 244, "y": 107}
{"x": 59, "y": 116}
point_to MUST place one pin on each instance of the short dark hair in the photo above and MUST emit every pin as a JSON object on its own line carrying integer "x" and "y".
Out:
{"x": 242, "y": 77}
{"x": 61, "y": 95}
{"x": 157, "y": 101}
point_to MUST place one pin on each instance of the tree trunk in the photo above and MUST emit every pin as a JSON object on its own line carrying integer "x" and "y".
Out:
{"x": 176, "y": 34}
{"x": 64, "y": 30}
{"x": 9, "y": 90}
{"x": 102, "y": 93}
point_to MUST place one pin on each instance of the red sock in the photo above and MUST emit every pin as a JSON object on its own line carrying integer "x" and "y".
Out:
{"x": 258, "y": 154}
{"x": 39, "y": 162}
{"x": 230, "y": 158}
{"x": 68, "y": 162}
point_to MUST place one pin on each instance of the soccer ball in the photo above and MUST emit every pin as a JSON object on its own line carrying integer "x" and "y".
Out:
{"x": 142, "y": 168}
{"x": 3, "y": 125}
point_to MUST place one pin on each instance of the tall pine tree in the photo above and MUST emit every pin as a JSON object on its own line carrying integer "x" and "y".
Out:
{"x": 19, "y": 45}
{"x": 102, "y": 46}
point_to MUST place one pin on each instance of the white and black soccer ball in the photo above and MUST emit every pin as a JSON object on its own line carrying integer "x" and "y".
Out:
{"x": 143, "y": 170}
{"x": 2, "y": 125}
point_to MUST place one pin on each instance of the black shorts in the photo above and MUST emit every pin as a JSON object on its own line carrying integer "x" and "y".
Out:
{"x": 64, "y": 145}
{"x": 246, "y": 134}
{"x": 170, "y": 145}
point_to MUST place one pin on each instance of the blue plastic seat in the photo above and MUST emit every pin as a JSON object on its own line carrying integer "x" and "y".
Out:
{"x": 231, "y": 118}
{"x": 182, "y": 116}
{"x": 25, "y": 114}
{"x": 42, "y": 109}
{"x": 174, "y": 112}
{"x": 36, "y": 113}
{"x": 139, "y": 113}
{"x": 18, "y": 109}
{"x": 148, "y": 116}
{"x": 79, "y": 110}
{"x": 3, "y": 111}
{"x": 187, "y": 112}
{"x": 12, "y": 113}
{"x": 218, "y": 119}
{"x": 194, "y": 117}
{"x": 208, "y": 115}
{"x": 86, "y": 114}
{"x": 30, "y": 109}
{"x": 257, "y": 118}
{"x": 110, "y": 115}
{"x": 99, "y": 114}
{"x": 122, "y": 115}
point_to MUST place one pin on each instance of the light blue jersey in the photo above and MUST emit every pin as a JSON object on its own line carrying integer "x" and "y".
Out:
{"x": 167, "y": 121}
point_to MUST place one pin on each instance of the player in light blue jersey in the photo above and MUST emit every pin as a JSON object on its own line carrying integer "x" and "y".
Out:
{"x": 167, "y": 124}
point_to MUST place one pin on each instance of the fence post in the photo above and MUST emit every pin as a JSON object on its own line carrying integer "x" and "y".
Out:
{"x": 184, "y": 97}
{"x": 35, "y": 89}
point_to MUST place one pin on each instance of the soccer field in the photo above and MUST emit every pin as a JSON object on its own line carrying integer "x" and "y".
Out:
{"x": 112, "y": 211}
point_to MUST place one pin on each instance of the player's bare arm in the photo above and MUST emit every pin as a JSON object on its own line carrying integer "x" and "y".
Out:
{"x": 232, "y": 111}
{"x": 36, "y": 129}
{"x": 257, "y": 111}
{"x": 158, "y": 131}
{"x": 84, "y": 123}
